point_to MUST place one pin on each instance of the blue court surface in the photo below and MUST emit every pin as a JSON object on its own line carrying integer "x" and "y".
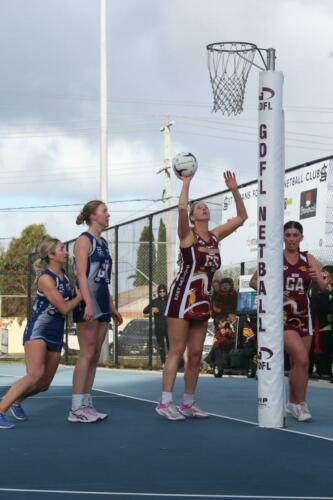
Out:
{"x": 137, "y": 454}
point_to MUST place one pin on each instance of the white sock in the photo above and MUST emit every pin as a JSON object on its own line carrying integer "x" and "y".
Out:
{"x": 166, "y": 397}
{"x": 77, "y": 401}
{"x": 188, "y": 399}
{"x": 87, "y": 400}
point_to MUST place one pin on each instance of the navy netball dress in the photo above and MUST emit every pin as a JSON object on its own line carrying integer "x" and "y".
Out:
{"x": 99, "y": 277}
{"x": 47, "y": 323}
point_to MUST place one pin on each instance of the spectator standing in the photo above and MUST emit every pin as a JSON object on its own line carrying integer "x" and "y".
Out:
{"x": 321, "y": 304}
{"x": 157, "y": 308}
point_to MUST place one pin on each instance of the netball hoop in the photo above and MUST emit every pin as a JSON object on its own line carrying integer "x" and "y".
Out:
{"x": 229, "y": 66}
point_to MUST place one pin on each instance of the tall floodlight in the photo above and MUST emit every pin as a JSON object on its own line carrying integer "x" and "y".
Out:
{"x": 103, "y": 133}
{"x": 103, "y": 105}
{"x": 229, "y": 66}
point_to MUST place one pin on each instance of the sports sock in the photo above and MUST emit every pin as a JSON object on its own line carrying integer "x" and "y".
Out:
{"x": 166, "y": 397}
{"x": 77, "y": 401}
{"x": 87, "y": 400}
{"x": 188, "y": 399}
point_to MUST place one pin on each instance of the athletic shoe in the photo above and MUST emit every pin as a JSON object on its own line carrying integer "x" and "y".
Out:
{"x": 192, "y": 411}
{"x": 95, "y": 413}
{"x": 169, "y": 411}
{"x": 82, "y": 415}
{"x": 292, "y": 409}
{"x": 304, "y": 414}
{"x": 4, "y": 423}
{"x": 18, "y": 412}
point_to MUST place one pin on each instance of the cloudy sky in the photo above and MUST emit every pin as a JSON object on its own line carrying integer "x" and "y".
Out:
{"x": 49, "y": 99}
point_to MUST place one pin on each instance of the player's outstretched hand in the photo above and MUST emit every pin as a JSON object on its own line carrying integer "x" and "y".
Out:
{"x": 230, "y": 180}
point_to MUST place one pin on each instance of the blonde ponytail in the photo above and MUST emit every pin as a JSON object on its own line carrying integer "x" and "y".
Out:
{"x": 46, "y": 247}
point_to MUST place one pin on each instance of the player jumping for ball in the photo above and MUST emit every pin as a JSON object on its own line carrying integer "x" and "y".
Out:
{"x": 188, "y": 308}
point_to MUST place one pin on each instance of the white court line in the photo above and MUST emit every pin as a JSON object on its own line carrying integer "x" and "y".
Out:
{"x": 68, "y": 397}
{"x": 5, "y": 375}
{"x": 169, "y": 495}
{"x": 225, "y": 417}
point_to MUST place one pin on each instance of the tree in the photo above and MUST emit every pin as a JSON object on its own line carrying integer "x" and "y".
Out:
{"x": 141, "y": 276}
{"x": 161, "y": 274}
{"x": 14, "y": 268}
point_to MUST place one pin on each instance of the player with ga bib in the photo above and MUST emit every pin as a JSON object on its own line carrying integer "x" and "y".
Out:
{"x": 299, "y": 270}
{"x": 189, "y": 303}
{"x": 92, "y": 316}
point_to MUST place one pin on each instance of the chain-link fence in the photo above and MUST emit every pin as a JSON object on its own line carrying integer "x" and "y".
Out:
{"x": 145, "y": 254}
{"x": 13, "y": 309}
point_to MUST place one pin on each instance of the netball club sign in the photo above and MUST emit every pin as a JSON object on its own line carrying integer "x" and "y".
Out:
{"x": 303, "y": 188}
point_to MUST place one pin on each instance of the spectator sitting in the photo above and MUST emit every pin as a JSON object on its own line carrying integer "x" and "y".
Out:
{"x": 224, "y": 300}
{"x": 216, "y": 300}
{"x": 223, "y": 342}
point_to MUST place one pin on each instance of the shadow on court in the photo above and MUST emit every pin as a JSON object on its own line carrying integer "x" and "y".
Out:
{"x": 137, "y": 453}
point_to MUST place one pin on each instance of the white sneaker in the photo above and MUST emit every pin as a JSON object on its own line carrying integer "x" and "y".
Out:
{"x": 304, "y": 414}
{"x": 292, "y": 409}
{"x": 82, "y": 415}
{"x": 95, "y": 413}
{"x": 169, "y": 411}
{"x": 192, "y": 411}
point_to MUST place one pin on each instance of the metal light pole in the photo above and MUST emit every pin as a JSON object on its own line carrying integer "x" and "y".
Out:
{"x": 104, "y": 358}
{"x": 103, "y": 106}
{"x": 167, "y": 197}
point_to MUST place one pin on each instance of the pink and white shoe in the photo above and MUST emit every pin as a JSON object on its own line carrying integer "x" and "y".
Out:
{"x": 81, "y": 415}
{"x": 169, "y": 411}
{"x": 95, "y": 413}
{"x": 192, "y": 411}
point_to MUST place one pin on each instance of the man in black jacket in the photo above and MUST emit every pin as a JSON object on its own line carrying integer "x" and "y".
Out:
{"x": 322, "y": 314}
{"x": 157, "y": 308}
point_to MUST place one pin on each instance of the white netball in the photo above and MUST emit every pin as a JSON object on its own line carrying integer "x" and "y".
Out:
{"x": 185, "y": 164}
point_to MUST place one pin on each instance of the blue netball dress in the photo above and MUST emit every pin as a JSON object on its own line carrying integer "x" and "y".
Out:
{"x": 99, "y": 277}
{"x": 47, "y": 323}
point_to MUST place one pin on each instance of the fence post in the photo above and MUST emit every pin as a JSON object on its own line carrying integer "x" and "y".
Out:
{"x": 67, "y": 317}
{"x": 150, "y": 283}
{"x": 29, "y": 286}
{"x": 242, "y": 268}
{"x": 116, "y": 300}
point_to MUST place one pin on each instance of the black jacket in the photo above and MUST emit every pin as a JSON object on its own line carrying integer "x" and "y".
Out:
{"x": 159, "y": 318}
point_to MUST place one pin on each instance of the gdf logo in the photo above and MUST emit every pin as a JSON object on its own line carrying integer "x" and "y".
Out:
{"x": 265, "y": 95}
{"x": 264, "y": 355}
{"x": 263, "y": 402}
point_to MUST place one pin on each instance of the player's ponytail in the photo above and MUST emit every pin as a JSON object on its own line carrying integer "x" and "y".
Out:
{"x": 45, "y": 248}
{"x": 87, "y": 211}
{"x": 190, "y": 215}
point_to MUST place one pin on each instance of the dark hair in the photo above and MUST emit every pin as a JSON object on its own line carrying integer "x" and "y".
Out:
{"x": 293, "y": 224}
{"x": 230, "y": 281}
{"x": 328, "y": 269}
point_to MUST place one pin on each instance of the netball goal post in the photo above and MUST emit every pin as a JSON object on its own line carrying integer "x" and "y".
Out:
{"x": 229, "y": 65}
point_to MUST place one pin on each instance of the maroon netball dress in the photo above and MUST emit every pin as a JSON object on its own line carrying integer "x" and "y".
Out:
{"x": 189, "y": 296}
{"x": 296, "y": 306}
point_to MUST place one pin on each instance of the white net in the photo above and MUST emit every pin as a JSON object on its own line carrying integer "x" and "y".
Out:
{"x": 229, "y": 64}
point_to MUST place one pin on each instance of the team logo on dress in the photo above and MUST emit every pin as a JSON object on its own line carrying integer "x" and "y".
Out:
{"x": 308, "y": 204}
